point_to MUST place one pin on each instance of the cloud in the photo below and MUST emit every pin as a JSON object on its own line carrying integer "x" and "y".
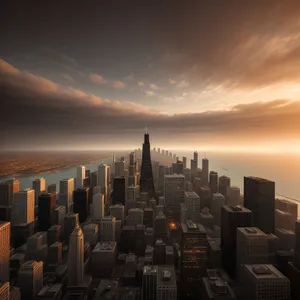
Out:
{"x": 171, "y": 81}
{"x": 153, "y": 86}
{"x": 183, "y": 84}
{"x": 141, "y": 83}
{"x": 97, "y": 79}
{"x": 118, "y": 84}
{"x": 68, "y": 77}
{"x": 149, "y": 93}
{"x": 60, "y": 115}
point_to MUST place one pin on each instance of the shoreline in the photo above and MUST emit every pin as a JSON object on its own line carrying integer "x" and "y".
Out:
{"x": 16, "y": 176}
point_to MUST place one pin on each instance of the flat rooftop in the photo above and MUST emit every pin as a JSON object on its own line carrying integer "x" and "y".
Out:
{"x": 251, "y": 231}
{"x": 191, "y": 227}
{"x": 166, "y": 276}
{"x": 237, "y": 208}
{"x": 212, "y": 287}
{"x": 191, "y": 194}
{"x": 258, "y": 179}
{"x": 264, "y": 271}
{"x": 105, "y": 246}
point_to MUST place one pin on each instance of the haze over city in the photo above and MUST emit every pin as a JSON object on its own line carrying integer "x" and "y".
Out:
{"x": 213, "y": 75}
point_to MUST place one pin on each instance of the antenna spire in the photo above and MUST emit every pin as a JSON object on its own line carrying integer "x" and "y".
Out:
{"x": 146, "y": 129}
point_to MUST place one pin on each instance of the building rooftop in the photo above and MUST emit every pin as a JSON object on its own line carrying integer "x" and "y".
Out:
{"x": 166, "y": 276}
{"x": 251, "y": 231}
{"x": 175, "y": 176}
{"x": 264, "y": 272}
{"x": 217, "y": 195}
{"x": 50, "y": 290}
{"x": 285, "y": 231}
{"x": 191, "y": 194}
{"x": 150, "y": 270}
{"x": 105, "y": 246}
{"x": 191, "y": 227}
{"x": 258, "y": 179}
{"x": 237, "y": 208}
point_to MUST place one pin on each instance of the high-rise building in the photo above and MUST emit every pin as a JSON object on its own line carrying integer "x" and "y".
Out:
{"x": 264, "y": 282}
{"x": 146, "y": 181}
{"x": 76, "y": 257}
{"x": 233, "y": 196}
{"x": 174, "y": 195}
{"x": 70, "y": 222}
{"x": 259, "y": 197}
{"x": 119, "y": 191}
{"x": 287, "y": 206}
{"x": 252, "y": 247}
{"x": 184, "y": 162}
{"x": 30, "y": 279}
{"x": 46, "y": 204}
{"x": 196, "y": 158}
{"x": 81, "y": 204}
{"x": 108, "y": 229}
{"x": 232, "y": 218}
{"x": 66, "y": 189}
{"x": 4, "y": 250}
{"x": 39, "y": 186}
{"x": 166, "y": 283}
{"x": 213, "y": 182}
{"x": 4, "y": 290}
{"x": 205, "y": 170}
{"x": 103, "y": 179}
{"x": 119, "y": 168}
{"x": 217, "y": 201}
{"x": 149, "y": 283}
{"x": 23, "y": 208}
{"x": 52, "y": 188}
{"x": 192, "y": 203}
{"x": 224, "y": 183}
{"x": 80, "y": 177}
{"x": 194, "y": 249}
{"x": 117, "y": 211}
{"x": 98, "y": 206}
{"x": 7, "y": 191}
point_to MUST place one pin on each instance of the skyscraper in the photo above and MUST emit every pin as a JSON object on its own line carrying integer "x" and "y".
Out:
{"x": 76, "y": 257}
{"x": 103, "y": 179}
{"x": 80, "y": 177}
{"x": 23, "y": 208}
{"x": 81, "y": 205}
{"x": 4, "y": 250}
{"x": 119, "y": 191}
{"x": 66, "y": 189}
{"x": 205, "y": 170}
{"x": 259, "y": 197}
{"x": 39, "y": 186}
{"x": 46, "y": 205}
{"x": 146, "y": 182}
{"x": 7, "y": 190}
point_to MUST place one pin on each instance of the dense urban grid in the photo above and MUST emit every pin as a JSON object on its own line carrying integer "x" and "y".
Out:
{"x": 148, "y": 229}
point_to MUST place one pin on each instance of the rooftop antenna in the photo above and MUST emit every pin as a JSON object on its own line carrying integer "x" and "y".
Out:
{"x": 146, "y": 129}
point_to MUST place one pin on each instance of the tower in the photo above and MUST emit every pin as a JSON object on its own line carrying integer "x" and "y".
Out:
{"x": 76, "y": 257}
{"x": 146, "y": 181}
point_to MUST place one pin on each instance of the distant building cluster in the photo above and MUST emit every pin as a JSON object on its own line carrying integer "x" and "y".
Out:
{"x": 148, "y": 227}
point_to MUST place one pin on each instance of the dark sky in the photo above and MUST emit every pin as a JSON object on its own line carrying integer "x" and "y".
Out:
{"x": 199, "y": 73}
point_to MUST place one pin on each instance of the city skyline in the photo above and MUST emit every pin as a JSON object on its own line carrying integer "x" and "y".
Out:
{"x": 213, "y": 76}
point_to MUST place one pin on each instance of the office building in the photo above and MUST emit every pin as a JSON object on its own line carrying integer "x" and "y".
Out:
{"x": 232, "y": 218}
{"x": 217, "y": 201}
{"x": 213, "y": 182}
{"x": 39, "y": 186}
{"x": 252, "y": 247}
{"x": 4, "y": 250}
{"x": 54, "y": 234}
{"x": 103, "y": 259}
{"x": 98, "y": 206}
{"x": 215, "y": 287}
{"x": 4, "y": 290}
{"x": 146, "y": 180}
{"x": 149, "y": 283}
{"x": 194, "y": 251}
{"x": 108, "y": 229}
{"x": 196, "y": 158}
{"x": 264, "y": 282}
{"x": 284, "y": 220}
{"x": 205, "y": 171}
{"x": 286, "y": 239}
{"x": 192, "y": 203}
{"x": 135, "y": 217}
{"x": 148, "y": 219}
{"x": 103, "y": 180}
{"x": 206, "y": 218}
{"x": 91, "y": 233}
{"x": 205, "y": 197}
{"x": 76, "y": 257}
{"x": 51, "y": 188}
{"x": 30, "y": 279}
{"x": 259, "y": 197}
{"x": 81, "y": 205}
{"x": 117, "y": 211}
{"x": 119, "y": 169}
{"x": 287, "y": 206}
{"x": 131, "y": 193}
{"x": 7, "y": 191}
{"x": 224, "y": 183}
{"x": 128, "y": 239}
{"x": 59, "y": 213}
{"x": 80, "y": 176}
{"x": 70, "y": 222}
{"x": 233, "y": 196}
{"x": 119, "y": 191}
{"x": 166, "y": 283}
{"x": 173, "y": 195}
{"x": 46, "y": 204}
{"x": 184, "y": 162}
{"x": 23, "y": 208}
{"x": 66, "y": 189}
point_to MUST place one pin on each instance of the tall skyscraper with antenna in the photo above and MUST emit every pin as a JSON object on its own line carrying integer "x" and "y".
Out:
{"x": 146, "y": 181}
